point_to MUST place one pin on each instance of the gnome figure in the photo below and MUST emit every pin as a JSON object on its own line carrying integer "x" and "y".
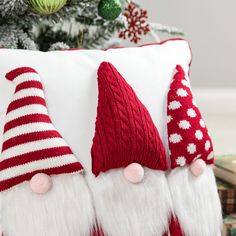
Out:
{"x": 130, "y": 190}
{"x": 197, "y": 210}
{"x": 42, "y": 186}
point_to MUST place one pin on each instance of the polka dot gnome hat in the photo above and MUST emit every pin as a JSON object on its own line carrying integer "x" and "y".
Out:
{"x": 31, "y": 144}
{"x": 125, "y": 132}
{"x": 188, "y": 136}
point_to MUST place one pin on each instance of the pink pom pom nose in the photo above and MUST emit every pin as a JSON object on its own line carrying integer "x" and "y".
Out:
{"x": 198, "y": 167}
{"x": 134, "y": 173}
{"x": 41, "y": 183}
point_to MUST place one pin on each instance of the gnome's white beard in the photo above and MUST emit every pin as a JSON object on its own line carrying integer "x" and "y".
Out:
{"x": 66, "y": 210}
{"x": 126, "y": 209}
{"x": 196, "y": 202}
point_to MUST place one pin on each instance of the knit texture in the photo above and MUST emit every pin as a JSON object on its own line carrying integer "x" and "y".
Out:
{"x": 125, "y": 132}
{"x": 187, "y": 134}
{"x": 31, "y": 144}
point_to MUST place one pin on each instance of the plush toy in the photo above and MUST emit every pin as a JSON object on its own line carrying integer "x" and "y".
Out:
{"x": 42, "y": 184}
{"x": 128, "y": 188}
{"x": 197, "y": 210}
{"x": 129, "y": 161}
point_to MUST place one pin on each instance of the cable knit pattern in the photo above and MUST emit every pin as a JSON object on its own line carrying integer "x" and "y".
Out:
{"x": 31, "y": 144}
{"x": 125, "y": 132}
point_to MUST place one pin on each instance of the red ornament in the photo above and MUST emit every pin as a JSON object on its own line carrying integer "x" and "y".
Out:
{"x": 137, "y": 23}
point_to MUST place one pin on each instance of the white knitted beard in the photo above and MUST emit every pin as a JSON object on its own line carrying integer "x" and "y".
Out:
{"x": 196, "y": 202}
{"x": 126, "y": 209}
{"x": 65, "y": 211}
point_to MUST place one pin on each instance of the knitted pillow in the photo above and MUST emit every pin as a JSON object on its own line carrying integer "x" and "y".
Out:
{"x": 69, "y": 79}
{"x": 129, "y": 160}
{"x": 125, "y": 132}
{"x": 31, "y": 144}
{"x": 37, "y": 166}
{"x": 71, "y": 91}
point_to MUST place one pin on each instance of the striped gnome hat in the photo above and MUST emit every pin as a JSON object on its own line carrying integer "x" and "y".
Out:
{"x": 189, "y": 139}
{"x": 125, "y": 132}
{"x": 31, "y": 144}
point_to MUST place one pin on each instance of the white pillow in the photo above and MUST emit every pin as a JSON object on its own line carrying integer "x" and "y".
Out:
{"x": 70, "y": 84}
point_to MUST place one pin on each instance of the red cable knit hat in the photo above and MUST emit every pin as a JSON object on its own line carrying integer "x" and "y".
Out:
{"x": 188, "y": 136}
{"x": 31, "y": 144}
{"x": 125, "y": 132}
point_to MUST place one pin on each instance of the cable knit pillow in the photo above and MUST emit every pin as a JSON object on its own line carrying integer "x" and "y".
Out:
{"x": 70, "y": 99}
{"x": 129, "y": 160}
{"x": 125, "y": 132}
{"x": 69, "y": 79}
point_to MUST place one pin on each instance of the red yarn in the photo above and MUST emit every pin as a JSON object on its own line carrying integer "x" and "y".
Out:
{"x": 125, "y": 132}
{"x": 29, "y": 138}
{"x": 188, "y": 136}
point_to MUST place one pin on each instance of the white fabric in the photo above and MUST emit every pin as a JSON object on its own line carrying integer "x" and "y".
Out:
{"x": 31, "y": 109}
{"x": 33, "y": 146}
{"x": 126, "y": 209}
{"x": 70, "y": 84}
{"x": 196, "y": 202}
{"x": 26, "y": 77}
{"x": 51, "y": 162}
{"x": 28, "y": 128}
{"x": 25, "y": 92}
{"x": 64, "y": 211}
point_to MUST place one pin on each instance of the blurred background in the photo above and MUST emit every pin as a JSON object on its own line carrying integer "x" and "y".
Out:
{"x": 209, "y": 28}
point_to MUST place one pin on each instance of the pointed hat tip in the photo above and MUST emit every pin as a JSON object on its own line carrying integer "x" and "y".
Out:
{"x": 179, "y": 70}
{"x": 106, "y": 71}
{"x": 117, "y": 102}
{"x": 18, "y": 71}
{"x": 106, "y": 66}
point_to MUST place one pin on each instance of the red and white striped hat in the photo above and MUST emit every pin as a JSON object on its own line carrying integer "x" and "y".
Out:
{"x": 31, "y": 144}
{"x": 125, "y": 132}
{"x": 188, "y": 136}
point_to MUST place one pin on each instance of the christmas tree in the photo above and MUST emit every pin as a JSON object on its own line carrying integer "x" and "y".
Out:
{"x": 59, "y": 24}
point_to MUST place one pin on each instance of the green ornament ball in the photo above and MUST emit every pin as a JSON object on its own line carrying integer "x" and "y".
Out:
{"x": 46, "y": 7}
{"x": 109, "y": 9}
